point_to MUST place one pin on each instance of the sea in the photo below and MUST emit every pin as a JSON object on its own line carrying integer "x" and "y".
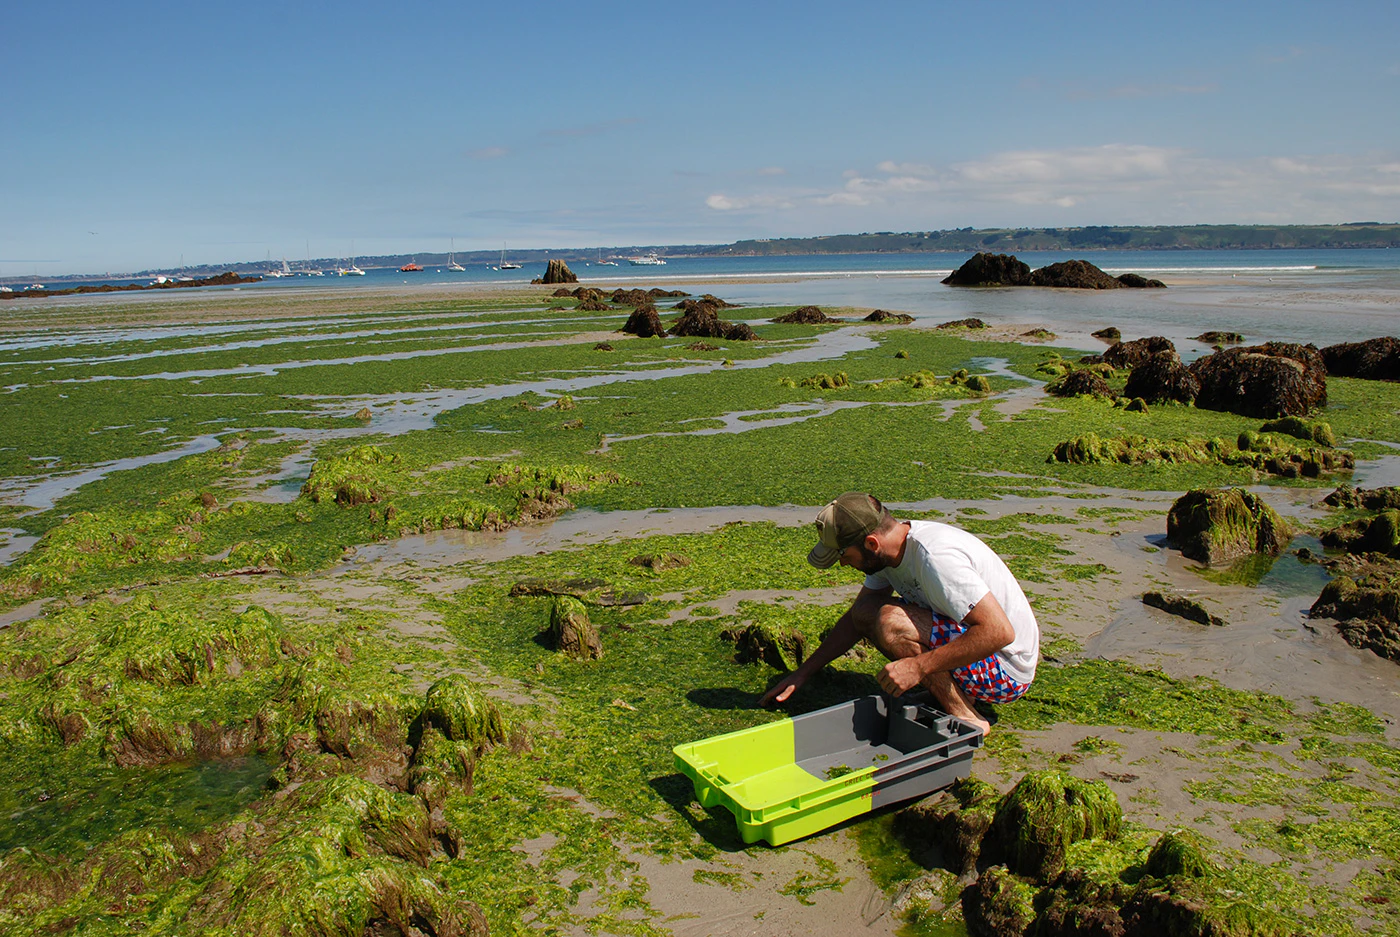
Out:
{"x": 1319, "y": 296}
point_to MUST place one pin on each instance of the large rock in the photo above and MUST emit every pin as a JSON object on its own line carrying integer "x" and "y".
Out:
{"x": 1074, "y": 274}
{"x": 645, "y": 322}
{"x": 806, "y": 315}
{"x": 1047, "y": 811}
{"x": 947, "y": 830}
{"x": 1081, "y": 381}
{"x": 1131, "y": 354}
{"x": 1374, "y": 499}
{"x": 885, "y": 316}
{"x": 570, "y": 631}
{"x": 1376, "y": 359}
{"x": 1139, "y": 282}
{"x": 700, "y": 321}
{"x": 1182, "y": 607}
{"x": 631, "y": 297}
{"x": 987, "y": 269}
{"x": 1162, "y": 377}
{"x": 1215, "y": 526}
{"x": 1270, "y": 380}
{"x": 968, "y": 323}
{"x": 779, "y": 648}
{"x": 1109, "y": 333}
{"x": 557, "y": 272}
{"x": 998, "y": 904}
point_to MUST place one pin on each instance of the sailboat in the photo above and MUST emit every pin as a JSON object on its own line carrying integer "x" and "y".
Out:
{"x": 605, "y": 263}
{"x": 505, "y": 264}
{"x": 350, "y": 271}
{"x": 277, "y": 274}
{"x": 452, "y": 260}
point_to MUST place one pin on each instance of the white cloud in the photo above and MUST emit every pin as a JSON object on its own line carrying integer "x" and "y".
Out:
{"x": 721, "y": 202}
{"x": 772, "y": 171}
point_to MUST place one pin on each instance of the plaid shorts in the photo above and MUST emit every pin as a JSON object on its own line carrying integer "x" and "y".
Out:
{"x": 983, "y": 679}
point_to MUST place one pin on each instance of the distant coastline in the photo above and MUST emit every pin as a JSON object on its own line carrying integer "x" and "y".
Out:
{"x": 1353, "y": 236}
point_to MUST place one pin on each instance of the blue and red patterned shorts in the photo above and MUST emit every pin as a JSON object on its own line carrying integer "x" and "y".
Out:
{"x": 983, "y": 679}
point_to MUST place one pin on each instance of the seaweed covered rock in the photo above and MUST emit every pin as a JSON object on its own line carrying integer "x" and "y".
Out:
{"x": 440, "y": 768}
{"x": 357, "y": 476}
{"x": 462, "y": 713}
{"x": 1162, "y": 377}
{"x": 978, "y": 384}
{"x": 700, "y": 321}
{"x": 1218, "y": 525}
{"x": 1374, "y": 499}
{"x": 998, "y": 904}
{"x": 806, "y": 315}
{"x": 1131, "y": 354}
{"x": 780, "y": 648}
{"x": 715, "y": 301}
{"x": 1179, "y": 853}
{"x": 1080, "y": 382}
{"x": 1277, "y": 455}
{"x": 947, "y": 830}
{"x": 1139, "y": 282}
{"x": 657, "y": 292}
{"x": 1076, "y": 905}
{"x": 1270, "y": 380}
{"x": 561, "y": 293}
{"x": 645, "y": 322}
{"x": 1039, "y": 334}
{"x": 1074, "y": 274}
{"x": 1376, "y": 359}
{"x": 1216, "y": 337}
{"x": 988, "y": 269}
{"x": 969, "y": 323}
{"x": 1109, "y": 334}
{"x": 593, "y": 305}
{"x": 1182, "y": 607}
{"x": 1299, "y": 428}
{"x": 1047, "y": 811}
{"x": 623, "y": 297}
{"x": 660, "y": 562}
{"x": 886, "y": 317}
{"x": 557, "y": 272}
{"x": 570, "y": 631}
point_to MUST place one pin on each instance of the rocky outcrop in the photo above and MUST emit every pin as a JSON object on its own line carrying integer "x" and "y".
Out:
{"x": 593, "y": 305}
{"x": 1373, "y": 499}
{"x": 988, "y": 269}
{"x": 806, "y": 315}
{"x": 1366, "y": 604}
{"x": 623, "y": 297}
{"x": 886, "y": 317}
{"x": 1219, "y": 525}
{"x": 645, "y": 322}
{"x": 1376, "y": 359}
{"x": 1079, "y": 382}
{"x": 1131, "y": 354}
{"x": 1138, "y": 282}
{"x": 700, "y": 321}
{"x": 969, "y": 323}
{"x": 1074, "y": 274}
{"x": 1220, "y": 338}
{"x": 1040, "y": 334}
{"x": 780, "y": 648}
{"x": 1182, "y": 607}
{"x": 657, "y": 292}
{"x": 570, "y": 632}
{"x": 1109, "y": 334}
{"x": 715, "y": 301}
{"x": 1270, "y": 380}
{"x": 1160, "y": 378}
{"x": 557, "y": 272}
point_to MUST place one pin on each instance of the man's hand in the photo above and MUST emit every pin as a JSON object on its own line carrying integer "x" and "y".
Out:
{"x": 900, "y": 676}
{"x": 781, "y": 690}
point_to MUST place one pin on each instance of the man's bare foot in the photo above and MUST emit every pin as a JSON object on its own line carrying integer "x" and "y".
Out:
{"x": 955, "y": 702}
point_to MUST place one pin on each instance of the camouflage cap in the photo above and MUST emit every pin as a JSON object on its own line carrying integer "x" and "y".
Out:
{"x": 843, "y": 522}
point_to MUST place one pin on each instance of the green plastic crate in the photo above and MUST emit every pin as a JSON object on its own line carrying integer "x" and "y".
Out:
{"x": 790, "y": 779}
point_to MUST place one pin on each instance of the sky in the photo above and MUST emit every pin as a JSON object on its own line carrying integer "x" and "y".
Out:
{"x": 143, "y": 134}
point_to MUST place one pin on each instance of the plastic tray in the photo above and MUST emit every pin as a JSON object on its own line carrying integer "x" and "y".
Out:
{"x": 790, "y": 779}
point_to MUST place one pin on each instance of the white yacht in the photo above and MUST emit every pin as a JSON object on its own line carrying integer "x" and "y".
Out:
{"x": 350, "y": 271}
{"x": 452, "y": 260}
{"x": 647, "y": 260}
{"x": 278, "y": 274}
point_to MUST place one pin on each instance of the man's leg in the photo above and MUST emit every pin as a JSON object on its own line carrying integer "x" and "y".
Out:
{"x": 899, "y": 630}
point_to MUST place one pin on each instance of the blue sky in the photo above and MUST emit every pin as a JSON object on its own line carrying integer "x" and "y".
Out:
{"x": 138, "y": 133}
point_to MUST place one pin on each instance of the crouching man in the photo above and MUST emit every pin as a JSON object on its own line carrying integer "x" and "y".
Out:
{"x": 961, "y": 626}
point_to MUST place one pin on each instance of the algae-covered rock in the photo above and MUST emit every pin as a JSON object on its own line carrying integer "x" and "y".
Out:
{"x": 1131, "y": 354}
{"x": 779, "y": 648}
{"x": 591, "y": 591}
{"x": 1270, "y": 380}
{"x": 624, "y": 297}
{"x": 441, "y": 767}
{"x": 1109, "y": 334}
{"x": 1182, "y": 607}
{"x": 356, "y": 476}
{"x": 1216, "y": 337}
{"x": 645, "y": 322}
{"x": 1198, "y": 907}
{"x": 1078, "y": 906}
{"x": 884, "y": 316}
{"x": 988, "y": 269}
{"x": 1045, "y": 812}
{"x": 570, "y": 631}
{"x": 660, "y": 562}
{"x": 1367, "y": 608}
{"x": 1215, "y": 526}
{"x": 1375, "y": 359}
{"x": 1139, "y": 282}
{"x": 1375, "y": 499}
{"x": 461, "y": 712}
{"x": 1074, "y": 274}
{"x": 998, "y": 904}
{"x": 947, "y": 829}
{"x": 1179, "y": 852}
{"x": 979, "y": 384}
{"x": 1079, "y": 382}
{"x": 968, "y": 323}
{"x": 1039, "y": 334}
{"x": 1162, "y": 377}
{"x": 1299, "y": 428}
{"x": 806, "y": 315}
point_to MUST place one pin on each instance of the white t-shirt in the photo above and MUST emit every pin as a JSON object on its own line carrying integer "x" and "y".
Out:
{"x": 949, "y": 571}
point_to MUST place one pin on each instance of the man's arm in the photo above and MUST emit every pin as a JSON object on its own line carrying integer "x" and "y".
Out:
{"x": 987, "y": 631}
{"x": 838, "y": 641}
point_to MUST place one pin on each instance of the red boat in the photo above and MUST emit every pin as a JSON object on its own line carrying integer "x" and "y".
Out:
{"x": 410, "y": 267}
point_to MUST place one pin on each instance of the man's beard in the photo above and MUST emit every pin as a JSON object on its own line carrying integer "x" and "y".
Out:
{"x": 869, "y": 562}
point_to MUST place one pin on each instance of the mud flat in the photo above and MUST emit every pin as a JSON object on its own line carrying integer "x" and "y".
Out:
{"x": 293, "y": 561}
